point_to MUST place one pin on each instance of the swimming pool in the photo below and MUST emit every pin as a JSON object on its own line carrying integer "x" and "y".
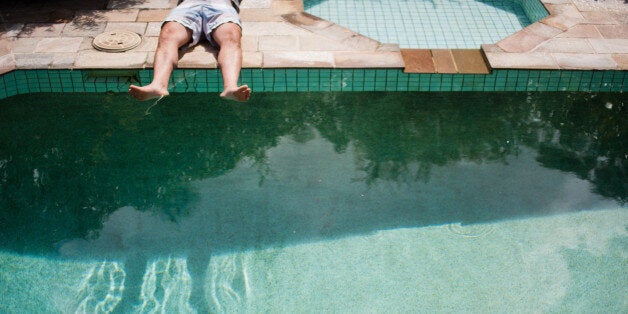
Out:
{"x": 314, "y": 202}
{"x": 431, "y": 24}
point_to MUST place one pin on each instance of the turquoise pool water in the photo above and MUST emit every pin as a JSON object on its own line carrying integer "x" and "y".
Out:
{"x": 431, "y": 24}
{"x": 314, "y": 202}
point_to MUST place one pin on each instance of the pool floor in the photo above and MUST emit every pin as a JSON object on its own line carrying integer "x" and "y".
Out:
{"x": 566, "y": 263}
{"x": 314, "y": 202}
{"x": 465, "y": 24}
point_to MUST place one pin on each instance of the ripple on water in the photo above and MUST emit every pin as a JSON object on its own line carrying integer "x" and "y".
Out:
{"x": 102, "y": 289}
{"x": 166, "y": 287}
{"x": 470, "y": 231}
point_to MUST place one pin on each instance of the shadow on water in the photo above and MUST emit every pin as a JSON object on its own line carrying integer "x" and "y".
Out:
{"x": 88, "y": 176}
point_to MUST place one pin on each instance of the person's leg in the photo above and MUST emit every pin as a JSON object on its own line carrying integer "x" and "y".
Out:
{"x": 227, "y": 36}
{"x": 172, "y": 36}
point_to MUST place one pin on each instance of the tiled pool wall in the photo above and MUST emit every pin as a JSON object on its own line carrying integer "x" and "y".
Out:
{"x": 533, "y": 9}
{"x": 314, "y": 80}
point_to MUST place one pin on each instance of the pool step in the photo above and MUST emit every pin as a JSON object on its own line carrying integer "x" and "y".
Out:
{"x": 467, "y": 61}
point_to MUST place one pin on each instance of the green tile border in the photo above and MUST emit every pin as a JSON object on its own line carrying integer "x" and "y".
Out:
{"x": 534, "y": 9}
{"x": 314, "y": 80}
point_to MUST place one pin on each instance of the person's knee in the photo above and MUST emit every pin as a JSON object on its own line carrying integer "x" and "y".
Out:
{"x": 169, "y": 29}
{"x": 229, "y": 35}
{"x": 232, "y": 41}
{"x": 174, "y": 32}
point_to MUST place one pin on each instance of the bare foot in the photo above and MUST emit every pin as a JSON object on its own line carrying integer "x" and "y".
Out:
{"x": 240, "y": 93}
{"x": 147, "y": 92}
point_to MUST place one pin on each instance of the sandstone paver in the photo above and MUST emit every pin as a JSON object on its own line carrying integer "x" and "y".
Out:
{"x": 198, "y": 60}
{"x": 256, "y": 4}
{"x": 532, "y": 60}
{"x": 522, "y": 41}
{"x": 621, "y": 60}
{"x": 444, "y": 61}
{"x": 278, "y": 43}
{"x": 83, "y": 29}
{"x": 63, "y": 61}
{"x": 59, "y": 44}
{"x": 142, "y": 4}
{"x": 33, "y": 60}
{"x": 249, "y": 43}
{"x": 562, "y": 22}
{"x": 613, "y": 31}
{"x": 581, "y": 31}
{"x": 286, "y": 6}
{"x": 24, "y": 45}
{"x": 298, "y": 59}
{"x": 270, "y": 28}
{"x": 89, "y": 59}
{"x": 147, "y": 44}
{"x": 7, "y": 63}
{"x": 315, "y": 42}
{"x": 5, "y": 49}
{"x": 599, "y": 18}
{"x": 571, "y": 45}
{"x": 577, "y": 61}
{"x": 375, "y": 59}
{"x": 42, "y": 30}
{"x": 128, "y": 15}
{"x": 469, "y": 61}
{"x": 151, "y": 15}
{"x": 136, "y": 27}
{"x": 543, "y": 30}
{"x": 252, "y": 59}
{"x": 153, "y": 29}
{"x": 307, "y": 21}
{"x": 418, "y": 61}
{"x": 609, "y": 46}
{"x": 259, "y": 15}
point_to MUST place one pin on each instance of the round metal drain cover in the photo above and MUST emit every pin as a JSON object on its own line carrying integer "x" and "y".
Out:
{"x": 116, "y": 41}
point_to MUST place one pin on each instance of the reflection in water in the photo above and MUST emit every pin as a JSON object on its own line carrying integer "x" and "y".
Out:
{"x": 94, "y": 177}
{"x": 67, "y": 165}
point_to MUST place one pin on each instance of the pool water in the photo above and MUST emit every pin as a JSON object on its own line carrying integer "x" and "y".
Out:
{"x": 314, "y": 202}
{"x": 462, "y": 24}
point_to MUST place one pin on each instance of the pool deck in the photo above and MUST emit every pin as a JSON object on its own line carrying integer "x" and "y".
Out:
{"x": 578, "y": 35}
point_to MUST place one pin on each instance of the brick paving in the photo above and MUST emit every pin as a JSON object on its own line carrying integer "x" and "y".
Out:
{"x": 579, "y": 34}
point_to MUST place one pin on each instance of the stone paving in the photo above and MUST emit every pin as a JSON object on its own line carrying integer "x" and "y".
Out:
{"x": 579, "y": 34}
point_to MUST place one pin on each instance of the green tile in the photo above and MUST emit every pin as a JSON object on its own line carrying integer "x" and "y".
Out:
{"x": 368, "y": 85}
{"x": 304, "y": 80}
{"x": 30, "y": 74}
{"x": 346, "y": 79}
{"x": 597, "y": 76}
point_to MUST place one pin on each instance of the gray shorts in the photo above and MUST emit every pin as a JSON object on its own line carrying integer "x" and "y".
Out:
{"x": 203, "y": 16}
